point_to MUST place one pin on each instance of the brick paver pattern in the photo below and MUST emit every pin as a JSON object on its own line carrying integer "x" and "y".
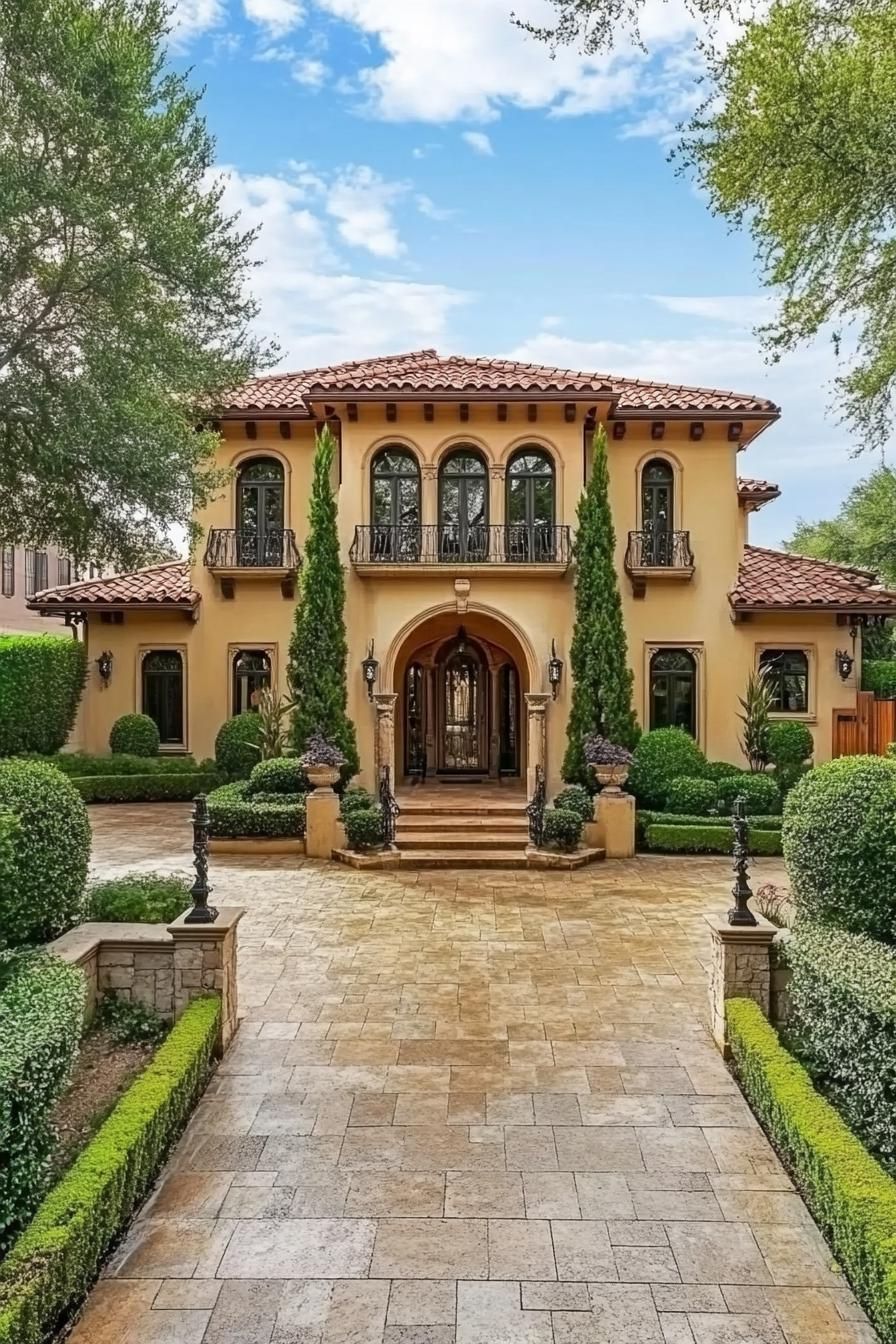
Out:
{"x": 467, "y": 1108}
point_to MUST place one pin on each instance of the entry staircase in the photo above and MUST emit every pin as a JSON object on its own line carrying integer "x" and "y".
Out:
{"x": 471, "y": 829}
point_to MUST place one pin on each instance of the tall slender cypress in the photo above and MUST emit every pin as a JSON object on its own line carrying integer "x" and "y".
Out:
{"x": 601, "y": 678}
{"x": 318, "y": 650}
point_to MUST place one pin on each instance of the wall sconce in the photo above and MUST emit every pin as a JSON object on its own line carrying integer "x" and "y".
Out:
{"x": 555, "y": 670}
{"x": 845, "y": 664}
{"x": 370, "y": 668}
{"x": 104, "y": 667}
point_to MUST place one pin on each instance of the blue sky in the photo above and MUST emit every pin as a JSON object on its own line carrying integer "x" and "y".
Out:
{"x": 425, "y": 174}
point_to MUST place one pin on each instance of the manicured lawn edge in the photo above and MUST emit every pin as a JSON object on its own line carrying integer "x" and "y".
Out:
{"x": 851, "y": 1196}
{"x": 177, "y": 787}
{"x": 55, "y": 1260}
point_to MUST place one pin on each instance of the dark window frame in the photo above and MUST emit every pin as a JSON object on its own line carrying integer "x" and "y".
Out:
{"x": 262, "y": 544}
{"x": 8, "y": 571}
{"x": 465, "y": 539}
{"x": 787, "y": 674}
{"x": 530, "y": 538}
{"x": 153, "y": 687}
{"x": 63, "y": 570}
{"x": 261, "y": 676}
{"x": 396, "y": 537}
{"x": 673, "y": 679}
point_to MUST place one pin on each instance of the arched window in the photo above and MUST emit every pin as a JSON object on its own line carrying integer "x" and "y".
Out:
{"x": 463, "y": 507}
{"x": 251, "y": 673}
{"x": 259, "y": 512}
{"x": 657, "y": 512}
{"x": 395, "y": 505}
{"x": 673, "y": 690}
{"x": 163, "y": 694}
{"x": 786, "y": 673}
{"x": 530, "y": 506}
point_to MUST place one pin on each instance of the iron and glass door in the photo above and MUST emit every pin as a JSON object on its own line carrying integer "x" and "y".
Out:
{"x": 163, "y": 694}
{"x": 657, "y": 513}
{"x": 260, "y": 513}
{"x": 508, "y": 721}
{"x": 463, "y": 508}
{"x": 395, "y": 506}
{"x": 463, "y": 691}
{"x": 530, "y": 507}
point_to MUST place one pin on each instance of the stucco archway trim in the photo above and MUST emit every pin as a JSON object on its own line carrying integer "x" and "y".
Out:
{"x": 418, "y": 622}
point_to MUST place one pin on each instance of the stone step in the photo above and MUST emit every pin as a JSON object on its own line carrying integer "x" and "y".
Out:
{"x": 432, "y": 840}
{"x": 410, "y": 807}
{"x": 431, "y": 821}
{"x": 463, "y": 858}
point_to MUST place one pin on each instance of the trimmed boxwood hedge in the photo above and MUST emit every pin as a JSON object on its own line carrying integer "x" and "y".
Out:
{"x": 879, "y": 676}
{"x": 364, "y": 827}
{"x": 41, "y": 681}
{"x": 760, "y": 791}
{"x": 279, "y": 774}
{"x": 562, "y": 828}
{"x": 139, "y": 898}
{"x": 706, "y": 839}
{"x": 178, "y": 786}
{"x": 81, "y": 763}
{"x": 645, "y": 818}
{"x": 41, "y": 1014}
{"x": 576, "y": 798}
{"x": 699, "y": 797}
{"x": 661, "y": 756}
{"x": 234, "y": 814}
{"x": 54, "y": 1261}
{"x": 135, "y": 735}
{"x": 851, "y": 1196}
{"x": 843, "y": 1025}
{"x": 238, "y": 745}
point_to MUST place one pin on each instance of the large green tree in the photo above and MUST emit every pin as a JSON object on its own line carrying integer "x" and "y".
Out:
{"x": 124, "y": 319}
{"x": 795, "y": 142}
{"x": 863, "y": 531}
{"x": 601, "y": 677}
{"x": 318, "y": 650}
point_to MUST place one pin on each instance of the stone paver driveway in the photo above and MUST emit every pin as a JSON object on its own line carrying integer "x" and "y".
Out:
{"x": 467, "y": 1108}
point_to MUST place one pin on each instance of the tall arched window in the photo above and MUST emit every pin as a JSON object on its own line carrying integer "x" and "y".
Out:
{"x": 657, "y": 512}
{"x": 259, "y": 512}
{"x": 673, "y": 690}
{"x": 251, "y": 673}
{"x": 163, "y": 694}
{"x": 530, "y": 506}
{"x": 786, "y": 673}
{"x": 463, "y": 507}
{"x": 395, "y": 505}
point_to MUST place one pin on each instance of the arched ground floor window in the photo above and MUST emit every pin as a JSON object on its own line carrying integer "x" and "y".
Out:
{"x": 673, "y": 690}
{"x": 250, "y": 672}
{"x": 162, "y": 688}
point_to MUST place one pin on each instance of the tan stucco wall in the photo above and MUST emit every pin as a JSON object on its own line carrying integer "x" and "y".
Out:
{"x": 536, "y": 608}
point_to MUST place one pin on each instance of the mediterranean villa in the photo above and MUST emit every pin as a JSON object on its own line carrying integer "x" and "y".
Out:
{"x": 457, "y": 484}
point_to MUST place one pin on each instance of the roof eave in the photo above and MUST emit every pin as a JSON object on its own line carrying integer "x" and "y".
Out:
{"x": 69, "y": 608}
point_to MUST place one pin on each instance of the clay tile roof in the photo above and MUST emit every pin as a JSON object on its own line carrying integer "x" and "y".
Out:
{"x": 422, "y": 371}
{"x": 777, "y": 580}
{"x": 751, "y": 487}
{"x": 165, "y": 585}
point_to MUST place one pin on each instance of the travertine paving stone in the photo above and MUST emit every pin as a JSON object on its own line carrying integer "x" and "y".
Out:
{"x": 466, "y": 1108}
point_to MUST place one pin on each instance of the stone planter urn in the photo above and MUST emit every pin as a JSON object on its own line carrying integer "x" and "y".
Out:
{"x": 322, "y": 776}
{"x": 611, "y": 777}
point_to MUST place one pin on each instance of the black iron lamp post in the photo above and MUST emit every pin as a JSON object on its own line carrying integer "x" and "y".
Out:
{"x": 370, "y": 669}
{"x": 202, "y": 912}
{"x": 555, "y": 670}
{"x": 740, "y": 913}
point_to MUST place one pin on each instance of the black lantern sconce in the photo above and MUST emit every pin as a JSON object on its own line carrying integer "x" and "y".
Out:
{"x": 555, "y": 670}
{"x": 370, "y": 668}
{"x": 845, "y": 664}
{"x": 104, "y": 667}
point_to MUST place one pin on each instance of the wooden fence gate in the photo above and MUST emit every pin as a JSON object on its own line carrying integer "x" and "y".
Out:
{"x": 866, "y": 730}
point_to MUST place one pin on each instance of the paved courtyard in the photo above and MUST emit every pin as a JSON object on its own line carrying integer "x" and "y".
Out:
{"x": 467, "y": 1108}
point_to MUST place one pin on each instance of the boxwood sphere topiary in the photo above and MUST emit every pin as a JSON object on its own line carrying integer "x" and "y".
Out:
{"x": 562, "y": 828}
{"x": 238, "y": 745}
{"x": 789, "y": 742}
{"x": 761, "y": 792}
{"x": 840, "y": 845}
{"x": 661, "y": 756}
{"x": 363, "y": 827}
{"x": 576, "y": 798}
{"x": 692, "y": 797}
{"x": 45, "y": 894}
{"x": 280, "y": 774}
{"x": 721, "y": 770}
{"x": 135, "y": 735}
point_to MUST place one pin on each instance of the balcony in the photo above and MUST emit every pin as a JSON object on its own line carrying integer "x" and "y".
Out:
{"x": 662, "y": 555}
{"x": 231, "y": 554}
{"x": 513, "y": 548}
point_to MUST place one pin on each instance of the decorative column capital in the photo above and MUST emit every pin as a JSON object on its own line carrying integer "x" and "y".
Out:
{"x": 430, "y": 471}
{"x": 537, "y": 702}
{"x": 497, "y": 471}
{"x": 384, "y": 701}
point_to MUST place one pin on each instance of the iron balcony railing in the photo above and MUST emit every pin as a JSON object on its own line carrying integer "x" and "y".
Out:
{"x": 659, "y": 550}
{"x": 230, "y": 548}
{"x": 444, "y": 544}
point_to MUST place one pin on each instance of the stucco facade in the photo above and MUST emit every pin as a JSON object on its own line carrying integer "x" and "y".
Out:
{"x": 503, "y": 610}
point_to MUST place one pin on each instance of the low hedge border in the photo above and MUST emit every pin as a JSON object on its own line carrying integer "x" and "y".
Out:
{"x": 851, "y": 1196}
{"x": 55, "y": 1260}
{"x": 178, "y": 787}
{"x": 234, "y": 814}
{"x": 702, "y": 839}
{"x": 645, "y": 818}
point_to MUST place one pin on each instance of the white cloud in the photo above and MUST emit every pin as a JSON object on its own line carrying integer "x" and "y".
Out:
{"x": 361, "y": 201}
{"x": 428, "y": 207}
{"x": 275, "y": 16}
{"x": 191, "y": 18}
{"x": 310, "y": 73}
{"x": 741, "y": 310}
{"x": 478, "y": 142}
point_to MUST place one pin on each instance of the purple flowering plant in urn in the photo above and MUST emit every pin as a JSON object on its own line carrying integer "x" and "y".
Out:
{"x": 609, "y": 762}
{"x": 321, "y": 761}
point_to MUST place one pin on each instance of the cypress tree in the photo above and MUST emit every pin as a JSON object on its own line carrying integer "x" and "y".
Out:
{"x": 601, "y": 679}
{"x": 318, "y": 650}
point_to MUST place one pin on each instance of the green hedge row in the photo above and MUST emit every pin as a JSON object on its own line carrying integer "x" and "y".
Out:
{"x": 179, "y": 787}
{"x": 41, "y": 1015}
{"x": 879, "y": 676}
{"x": 41, "y": 680}
{"x": 234, "y": 813}
{"x": 54, "y": 1261}
{"x": 645, "y": 818}
{"x": 702, "y": 839}
{"x": 82, "y": 763}
{"x": 851, "y": 1196}
{"x": 843, "y": 1025}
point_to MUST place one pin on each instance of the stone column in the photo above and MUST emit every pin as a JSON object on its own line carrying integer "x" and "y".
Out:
{"x": 205, "y": 961}
{"x": 384, "y": 703}
{"x": 536, "y": 736}
{"x": 324, "y": 831}
{"x": 614, "y": 825}
{"x": 740, "y": 969}
{"x": 496, "y": 509}
{"x": 429, "y": 509}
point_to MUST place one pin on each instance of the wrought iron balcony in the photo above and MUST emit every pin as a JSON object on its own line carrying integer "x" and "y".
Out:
{"x": 657, "y": 553}
{"x": 410, "y": 547}
{"x": 231, "y": 554}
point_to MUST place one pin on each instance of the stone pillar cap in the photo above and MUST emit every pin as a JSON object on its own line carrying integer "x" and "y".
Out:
{"x": 228, "y": 918}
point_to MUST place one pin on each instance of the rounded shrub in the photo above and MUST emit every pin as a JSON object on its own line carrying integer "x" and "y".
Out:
{"x": 693, "y": 797}
{"x": 761, "y": 792}
{"x": 721, "y": 770}
{"x": 562, "y": 828}
{"x": 840, "y": 845}
{"x": 363, "y": 827}
{"x": 355, "y": 798}
{"x": 134, "y": 735}
{"x": 661, "y": 756}
{"x": 280, "y": 774}
{"x": 789, "y": 742}
{"x": 238, "y": 745}
{"x": 576, "y": 798}
{"x": 139, "y": 898}
{"x": 44, "y": 893}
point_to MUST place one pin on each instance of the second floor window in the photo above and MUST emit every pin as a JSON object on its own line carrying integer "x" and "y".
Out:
{"x": 395, "y": 505}
{"x": 35, "y": 572}
{"x": 530, "y": 506}
{"x": 63, "y": 570}
{"x": 463, "y": 507}
{"x": 657, "y": 512}
{"x": 259, "y": 512}
{"x": 787, "y": 674}
{"x": 8, "y": 566}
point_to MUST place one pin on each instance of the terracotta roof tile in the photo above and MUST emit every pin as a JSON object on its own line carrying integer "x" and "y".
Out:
{"x": 779, "y": 580}
{"x": 751, "y": 486}
{"x": 426, "y": 371}
{"x": 156, "y": 585}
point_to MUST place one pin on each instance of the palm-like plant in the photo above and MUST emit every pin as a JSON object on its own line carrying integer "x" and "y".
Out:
{"x": 272, "y": 709}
